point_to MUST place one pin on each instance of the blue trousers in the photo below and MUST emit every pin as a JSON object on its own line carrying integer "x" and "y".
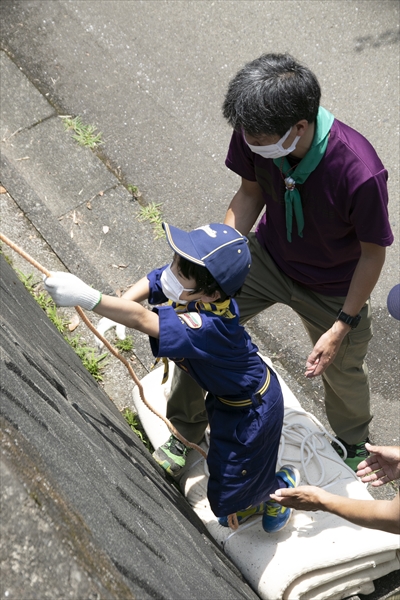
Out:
{"x": 243, "y": 450}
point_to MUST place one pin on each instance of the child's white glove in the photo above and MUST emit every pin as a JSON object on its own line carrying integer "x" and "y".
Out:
{"x": 104, "y": 325}
{"x": 68, "y": 290}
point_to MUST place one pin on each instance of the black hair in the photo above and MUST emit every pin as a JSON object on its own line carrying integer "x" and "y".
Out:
{"x": 205, "y": 282}
{"x": 271, "y": 94}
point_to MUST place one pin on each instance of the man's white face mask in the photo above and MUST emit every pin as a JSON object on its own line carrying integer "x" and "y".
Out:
{"x": 274, "y": 150}
{"x": 171, "y": 287}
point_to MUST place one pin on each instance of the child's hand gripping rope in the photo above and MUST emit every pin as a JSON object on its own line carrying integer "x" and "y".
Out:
{"x": 68, "y": 290}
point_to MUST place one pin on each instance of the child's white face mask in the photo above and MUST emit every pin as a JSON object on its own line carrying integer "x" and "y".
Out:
{"x": 275, "y": 150}
{"x": 171, "y": 287}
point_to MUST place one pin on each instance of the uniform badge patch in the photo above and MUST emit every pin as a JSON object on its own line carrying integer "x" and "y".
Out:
{"x": 191, "y": 319}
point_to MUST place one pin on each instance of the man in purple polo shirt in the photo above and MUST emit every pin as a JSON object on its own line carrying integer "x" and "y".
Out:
{"x": 320, "y": 245}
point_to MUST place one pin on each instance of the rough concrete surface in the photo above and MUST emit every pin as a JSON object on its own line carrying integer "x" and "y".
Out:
{"x": 119, "y": 529}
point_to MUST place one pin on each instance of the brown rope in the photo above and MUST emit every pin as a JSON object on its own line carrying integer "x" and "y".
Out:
{"x": 113, "y": 350}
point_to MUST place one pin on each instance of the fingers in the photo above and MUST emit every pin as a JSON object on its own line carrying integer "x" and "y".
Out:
{"x": 300, "y": 498}
{"x": 317, "y": 367}
{"x": 311, "y": 367}
{"x": 375, "y": 481}
{"x": 281, "y": 497}
{"x": 312, "y": 363}
{"x": 120, "y": 331}
{"x": 46, "y": 277}
{"x": 48, "y": 280}
{"x": 104, "y": 325}
{"x": 373, "y": 474}
{"x": 368, "y": 465}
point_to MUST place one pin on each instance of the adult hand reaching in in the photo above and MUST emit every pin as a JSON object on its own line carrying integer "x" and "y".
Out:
{"x": 382, "y": 466}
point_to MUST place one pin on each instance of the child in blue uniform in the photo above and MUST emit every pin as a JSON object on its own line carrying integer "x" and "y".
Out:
{"x": 195, "y": 323}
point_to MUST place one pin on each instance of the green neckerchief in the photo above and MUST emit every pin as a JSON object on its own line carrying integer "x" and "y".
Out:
{"x": 307, "y": 165}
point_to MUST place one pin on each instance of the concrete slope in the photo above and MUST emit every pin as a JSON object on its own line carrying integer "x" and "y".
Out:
{"x": 112, "y": 526}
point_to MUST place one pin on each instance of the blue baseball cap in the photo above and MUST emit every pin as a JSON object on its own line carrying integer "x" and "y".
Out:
{"x": 393, "y": 302}
{"x": 220, "y": 248}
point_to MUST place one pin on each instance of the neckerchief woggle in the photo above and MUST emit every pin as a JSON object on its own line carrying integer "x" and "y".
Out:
{"x": 306, "y": 166}
{"x": 217, "y": 308}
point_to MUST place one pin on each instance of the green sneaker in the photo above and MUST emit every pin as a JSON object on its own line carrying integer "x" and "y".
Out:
{"x": 243, "y": 515}
{"x": 171, "y": 456}
{"x": 355, "y": 452}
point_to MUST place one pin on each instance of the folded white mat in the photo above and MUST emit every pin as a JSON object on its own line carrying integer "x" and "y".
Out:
{"x": 317, "y": 555}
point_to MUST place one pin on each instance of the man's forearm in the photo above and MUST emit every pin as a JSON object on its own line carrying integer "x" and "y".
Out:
{"x": 245, "y": 207}
{"x": 374, "y": 514}
{"x": 363, "y": 282}
{"x": 364, "y": 278}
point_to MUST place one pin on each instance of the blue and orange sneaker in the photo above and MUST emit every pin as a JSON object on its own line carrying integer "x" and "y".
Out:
{"x": 276, "y": 516}
{"x": 243, "y": 515}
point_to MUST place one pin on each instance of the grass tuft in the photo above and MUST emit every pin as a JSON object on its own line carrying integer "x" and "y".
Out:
{"x": 83, "y": 134}
{"x": 125, "y": 345}
{"x": 134, "y": 423}
{"x": 134, "y": 190}
{"x": 88, "y": 357}
{"x": 93, "y": 363}
{"x": 152, "y": 213}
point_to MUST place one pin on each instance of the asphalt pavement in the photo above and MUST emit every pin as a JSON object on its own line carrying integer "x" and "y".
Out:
{"x": 151, "y": 76}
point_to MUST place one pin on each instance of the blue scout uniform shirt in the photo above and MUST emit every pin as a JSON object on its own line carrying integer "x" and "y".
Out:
{"x": 244, "y": 402}
{"x": 215, "y": 350}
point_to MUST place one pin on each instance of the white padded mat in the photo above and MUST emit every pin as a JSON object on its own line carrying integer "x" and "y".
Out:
{"x": 318, "y": 556}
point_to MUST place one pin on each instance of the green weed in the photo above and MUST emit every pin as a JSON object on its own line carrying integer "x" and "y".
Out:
{"x": 84, "y": 134}
{"x": 5, "y": 256}
{"x": 44, "y": 300}
{"x": 134, "y": 190}
{"x": 58, "y": 320}
{"x": 134, "y": 423}
{"x": 125, "y": 345}
{"x": 88, "y": 357}
{"x": 152, "y": 213}
{"x": 28, "y": 281}
{"x": 87, "y": 354}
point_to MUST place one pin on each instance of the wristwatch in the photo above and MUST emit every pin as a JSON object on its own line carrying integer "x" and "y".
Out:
{"x": 352, "y": 321}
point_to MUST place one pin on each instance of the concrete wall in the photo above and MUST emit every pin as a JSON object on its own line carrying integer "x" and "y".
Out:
{"x": 86, "y": 511}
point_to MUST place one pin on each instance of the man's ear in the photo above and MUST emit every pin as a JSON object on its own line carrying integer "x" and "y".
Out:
{"x": 301, "y": 127}
{"x": 213, "y": 298}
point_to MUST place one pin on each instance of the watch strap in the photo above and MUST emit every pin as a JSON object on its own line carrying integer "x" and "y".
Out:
{"x": 348, "y": 319}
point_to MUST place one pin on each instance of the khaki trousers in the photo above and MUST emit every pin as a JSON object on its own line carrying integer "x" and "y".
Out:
{"x": 346, "y": 385}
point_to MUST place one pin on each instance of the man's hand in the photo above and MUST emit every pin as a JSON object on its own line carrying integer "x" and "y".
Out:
{"x": 363, "y": 282}
{"x": 325, "y": 349}
{"x": 304, "y": 497}
{"x": 382, "y": 466}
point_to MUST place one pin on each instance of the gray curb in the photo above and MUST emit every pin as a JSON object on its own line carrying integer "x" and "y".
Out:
{"x": 48, "y": 227}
